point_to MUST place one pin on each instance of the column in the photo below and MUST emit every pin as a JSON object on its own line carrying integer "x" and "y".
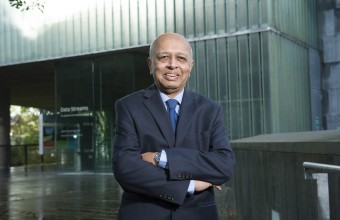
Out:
{"x": 4, "y": 131}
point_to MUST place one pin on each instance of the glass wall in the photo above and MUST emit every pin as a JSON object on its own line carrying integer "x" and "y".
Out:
{"x": 250, "y": 56}
{"x": 261, "y": 80}
{"x": 105, "y": 25}
{"x": 86, "y": 91}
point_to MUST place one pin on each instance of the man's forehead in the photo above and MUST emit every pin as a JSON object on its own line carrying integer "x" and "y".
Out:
{"x": 173, "y": 51}
{"x": 178, "y": 48}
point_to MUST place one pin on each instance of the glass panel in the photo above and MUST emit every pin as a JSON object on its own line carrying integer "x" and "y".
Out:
{"x": 266, "y": 61}
{"x": 160, "y": 20}
{"x": 222, "y": 77}
{"x": 189, "y": 18}
{"x": 211, "y": 70}
{"x": 191, "y": 83}
{"x": 125, "y": 21}
{"x": 242, "y": 14}
{"x": 2, "y": 42}
{"x": 256, "y": 82}
{"x": 117, "y": 28}
{"x": 233, "y": 84}
{"x": 100, "y": 25}
{"x": 245, "y": 85}
{"x": 199, "y": 17}
{"x": 209, "y": 17}
{"x": 179, "y": 18}
{"x": 74, "y": 141}
{"x": 77, "y": 31}
{"x": 86, "y": 93}
{"x": 201, "y": 63}
{"x": 108, "y": 25}
{"x": 133, "y": 16}
{"x": 170, "y": 15}
{"x": 265, "y": 12}
{"x": 253, "y": 14}
{"x": 231, "y": 16}
{"x": 92, "y": 29}
{"x": 116, "y": 76}
{"x": 220, "y": 10}
{"x": 142, "y": 22}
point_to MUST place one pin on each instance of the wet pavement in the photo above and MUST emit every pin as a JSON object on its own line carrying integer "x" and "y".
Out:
{"x": 50, "y": 195}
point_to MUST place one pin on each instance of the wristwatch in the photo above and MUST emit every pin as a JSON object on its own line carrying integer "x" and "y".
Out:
{"x": 157, "y": 157}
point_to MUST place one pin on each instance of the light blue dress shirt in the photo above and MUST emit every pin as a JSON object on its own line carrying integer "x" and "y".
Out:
{"x": 163, "y": 159}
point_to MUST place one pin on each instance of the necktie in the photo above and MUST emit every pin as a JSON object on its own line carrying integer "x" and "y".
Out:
{"x": 172, "y": 103}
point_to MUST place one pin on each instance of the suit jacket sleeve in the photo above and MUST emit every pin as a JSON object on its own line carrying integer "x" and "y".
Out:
{"x": 134, "y": 174}
{"x": 212, "y": 159}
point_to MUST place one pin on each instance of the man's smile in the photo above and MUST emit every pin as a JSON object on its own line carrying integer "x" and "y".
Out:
{"x": 171, "y": 76}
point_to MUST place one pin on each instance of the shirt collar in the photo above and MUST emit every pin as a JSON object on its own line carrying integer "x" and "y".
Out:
{"x": 178, "y": 97}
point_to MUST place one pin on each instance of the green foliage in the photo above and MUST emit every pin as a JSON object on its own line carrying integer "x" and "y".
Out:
{"x": 24, "y": 130}
{"x": 24, "y": 125}
{"x": 25, "y": 6}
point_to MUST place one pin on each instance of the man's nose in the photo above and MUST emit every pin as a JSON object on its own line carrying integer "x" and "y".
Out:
{"x": 172, "y": 63}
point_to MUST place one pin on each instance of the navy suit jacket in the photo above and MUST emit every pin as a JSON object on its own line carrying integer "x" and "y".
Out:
{"x": 199, "y": 150}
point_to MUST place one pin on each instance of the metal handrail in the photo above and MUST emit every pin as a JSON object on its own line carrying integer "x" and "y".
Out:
{"x": 25, "y": 148}
{"x": 319, "y": 172}
{"x": 18, "y": 145}
{"x": 311, "y": 168}
{"x": 321, "y": 167}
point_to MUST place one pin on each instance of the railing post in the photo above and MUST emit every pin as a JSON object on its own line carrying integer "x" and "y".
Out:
{"x": 42, "y": 162}
{"x": 319, "y": 172}
{"x": 26, "y": 157}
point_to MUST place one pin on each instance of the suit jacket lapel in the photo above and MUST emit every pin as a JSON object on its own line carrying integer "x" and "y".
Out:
{"x": 154, "y": 104}
{"x": 186, "y": 115}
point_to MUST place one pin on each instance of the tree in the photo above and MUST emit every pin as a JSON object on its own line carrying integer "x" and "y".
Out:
{"x": 24, "y": 131}
{"x": 24, "y": 125}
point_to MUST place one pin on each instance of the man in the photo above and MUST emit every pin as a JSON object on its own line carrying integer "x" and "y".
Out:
{"x": 168, "y": 159}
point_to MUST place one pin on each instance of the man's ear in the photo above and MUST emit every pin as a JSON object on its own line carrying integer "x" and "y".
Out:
{"x": 192, "y": 65}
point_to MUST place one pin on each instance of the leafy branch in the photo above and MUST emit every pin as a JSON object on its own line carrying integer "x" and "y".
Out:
{"x": 24, "y": 6}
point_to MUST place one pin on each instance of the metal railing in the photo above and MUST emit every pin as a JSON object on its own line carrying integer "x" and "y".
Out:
{"x": 25, "y": 154}
{"x": 319, "y": 172}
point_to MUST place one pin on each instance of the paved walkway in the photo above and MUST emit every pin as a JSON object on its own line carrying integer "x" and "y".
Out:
{"x": 49, "y": 195}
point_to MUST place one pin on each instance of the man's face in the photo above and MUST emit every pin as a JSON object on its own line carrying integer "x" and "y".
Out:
{"x": 171, "y": 63}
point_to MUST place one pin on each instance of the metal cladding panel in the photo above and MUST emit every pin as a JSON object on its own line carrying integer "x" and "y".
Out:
{"x": 289, "y": 85}
{"x": 258, "y": 96}
{"x": 79, "y": 27}
{"x": 273, "y": 166}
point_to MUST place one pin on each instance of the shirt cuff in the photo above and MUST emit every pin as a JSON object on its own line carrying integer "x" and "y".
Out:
{"x": 191, "y": 188}
{"x": 163, "y": 160}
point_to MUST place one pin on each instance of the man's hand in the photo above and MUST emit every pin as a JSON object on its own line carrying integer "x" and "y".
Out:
{"x": 201, "y": 185}
{"x": 148, "y": 157}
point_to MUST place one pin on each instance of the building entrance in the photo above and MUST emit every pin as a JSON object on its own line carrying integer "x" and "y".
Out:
{"x": 86, "y": 91}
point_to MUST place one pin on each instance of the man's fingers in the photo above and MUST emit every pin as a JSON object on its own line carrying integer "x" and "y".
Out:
{"x": 218, "y": 187}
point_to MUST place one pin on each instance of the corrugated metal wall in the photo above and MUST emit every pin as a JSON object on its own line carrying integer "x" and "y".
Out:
{"x": 261, "y": 80}
{"x": 251, "y": 56}
{"x": 70, "y": 28}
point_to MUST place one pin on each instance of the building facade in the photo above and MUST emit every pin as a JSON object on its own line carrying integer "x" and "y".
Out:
{"x": 259, "y": 59}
